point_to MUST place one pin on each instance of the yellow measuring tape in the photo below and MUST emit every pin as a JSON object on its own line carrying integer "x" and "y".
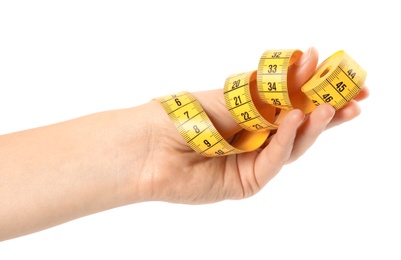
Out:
{"x": 258, "y": 100}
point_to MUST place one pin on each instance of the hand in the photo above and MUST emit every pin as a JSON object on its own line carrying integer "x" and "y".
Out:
{"x": 180, "y": 175}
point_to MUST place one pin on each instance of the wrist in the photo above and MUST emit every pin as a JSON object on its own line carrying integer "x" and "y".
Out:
{"x": 139, "y": 148}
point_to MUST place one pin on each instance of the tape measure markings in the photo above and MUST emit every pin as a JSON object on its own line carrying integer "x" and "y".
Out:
{"x": 336, "y": 81}
{"x": 253, "y": 99}
{"x": 240, "y": 103}
{"x": 201, "y": 135}
{"x": 272, "y": 76}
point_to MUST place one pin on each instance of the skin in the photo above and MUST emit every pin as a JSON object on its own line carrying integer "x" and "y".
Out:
{"x": 60, "y": 172}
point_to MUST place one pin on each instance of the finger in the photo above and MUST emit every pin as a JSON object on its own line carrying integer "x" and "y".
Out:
{"x": 274, "y": 156}
{"x": 349, "y": 111}
{"x": 363, "y": 94}
{"x": 345, "y": 114}
{"x": 302, "y": 70}
{"x": 310, "y": 130}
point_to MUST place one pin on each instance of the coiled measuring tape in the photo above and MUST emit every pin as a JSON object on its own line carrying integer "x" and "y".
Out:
{"x": 258, "y": 100}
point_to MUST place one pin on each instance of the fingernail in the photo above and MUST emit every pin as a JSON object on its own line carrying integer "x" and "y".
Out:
{"x": 304, "y": 57}
{"x": 331, "y": 112}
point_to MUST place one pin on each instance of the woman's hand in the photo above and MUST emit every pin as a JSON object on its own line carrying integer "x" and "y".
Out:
{"x": 180, "y": 175}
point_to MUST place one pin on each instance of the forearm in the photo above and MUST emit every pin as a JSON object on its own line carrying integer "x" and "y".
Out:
{"x": 56, "y": 173}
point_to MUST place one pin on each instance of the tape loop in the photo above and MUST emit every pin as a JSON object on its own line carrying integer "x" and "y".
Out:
{"x": 258, "y": 100}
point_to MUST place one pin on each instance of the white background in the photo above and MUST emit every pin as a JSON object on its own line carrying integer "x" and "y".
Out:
{"x": 341, "y": 200}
